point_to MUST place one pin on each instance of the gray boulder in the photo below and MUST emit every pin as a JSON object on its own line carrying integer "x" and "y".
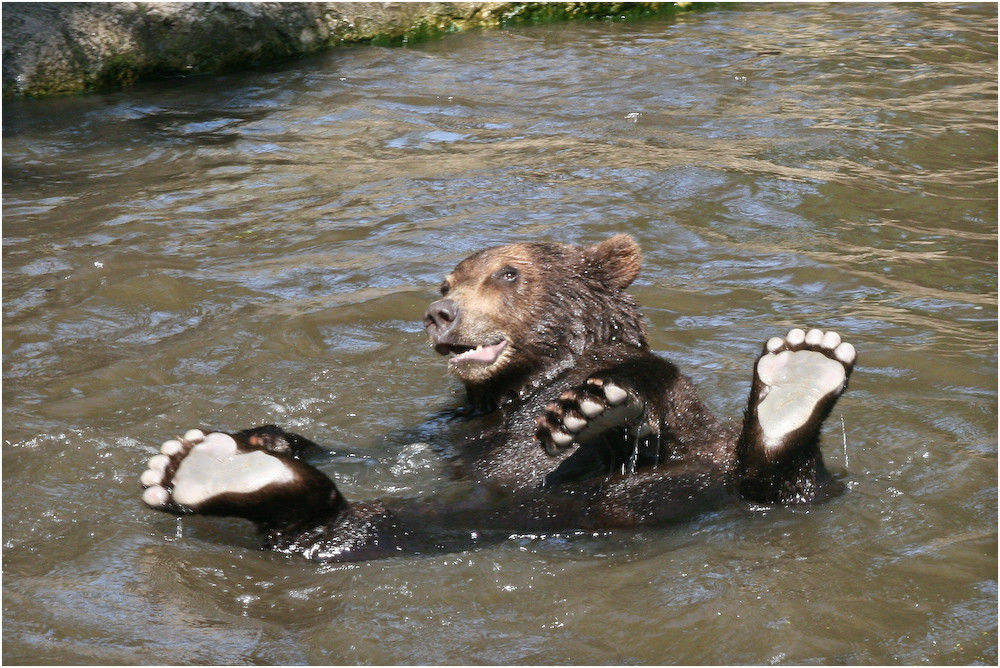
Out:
{"x": 52, "y": 48}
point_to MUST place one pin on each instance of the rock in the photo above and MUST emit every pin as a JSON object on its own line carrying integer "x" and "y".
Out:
{"x": 52, "y": 48}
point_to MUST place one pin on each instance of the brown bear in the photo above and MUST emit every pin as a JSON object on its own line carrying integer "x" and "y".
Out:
{"x": 578, "y": 425}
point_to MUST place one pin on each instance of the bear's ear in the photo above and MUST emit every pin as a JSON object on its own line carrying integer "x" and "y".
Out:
{"x": 617, "y": 258}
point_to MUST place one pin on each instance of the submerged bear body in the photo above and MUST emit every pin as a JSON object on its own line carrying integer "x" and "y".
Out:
{"x": 577, "y": 424}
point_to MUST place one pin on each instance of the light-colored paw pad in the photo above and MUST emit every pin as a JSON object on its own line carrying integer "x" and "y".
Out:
{"x": 797, "y": 381}
{"x": 208, "y": 466}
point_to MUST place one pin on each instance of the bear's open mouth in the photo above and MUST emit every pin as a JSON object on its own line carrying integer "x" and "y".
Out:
{"x": 481, "y": 354}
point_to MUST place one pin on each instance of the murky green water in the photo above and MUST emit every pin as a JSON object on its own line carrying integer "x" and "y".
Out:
{"x": 260, "y": 247}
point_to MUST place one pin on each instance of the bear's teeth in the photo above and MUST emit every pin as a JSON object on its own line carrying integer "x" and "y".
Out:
{"x": 486, "y": 354}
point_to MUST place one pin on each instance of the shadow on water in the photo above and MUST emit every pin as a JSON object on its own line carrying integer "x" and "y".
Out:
{"x": 260, "y": 248}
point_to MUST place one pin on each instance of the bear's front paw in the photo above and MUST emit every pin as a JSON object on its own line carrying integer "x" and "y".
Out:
{"x": 585, "y": 412}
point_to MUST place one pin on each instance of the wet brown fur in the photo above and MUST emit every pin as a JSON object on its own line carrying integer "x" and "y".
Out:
{"x": 566, "y": 317}
{"x": 565, "y": 301}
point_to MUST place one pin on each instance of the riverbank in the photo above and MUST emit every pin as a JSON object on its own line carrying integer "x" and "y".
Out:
{"x": 52, "y": 48}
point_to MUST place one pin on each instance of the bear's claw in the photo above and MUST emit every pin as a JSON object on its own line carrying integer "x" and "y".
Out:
{"x": 586, "y": 411}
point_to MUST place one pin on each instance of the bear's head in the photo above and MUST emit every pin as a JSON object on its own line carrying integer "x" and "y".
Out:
{"x": 514, "y": 316}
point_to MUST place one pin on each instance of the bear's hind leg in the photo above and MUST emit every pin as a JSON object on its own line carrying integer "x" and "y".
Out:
{"x": 797, "y": 380}
{"x": 249, "y": 474}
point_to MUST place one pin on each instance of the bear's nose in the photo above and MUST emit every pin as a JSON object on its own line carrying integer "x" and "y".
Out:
{"x": 440, "y": 318}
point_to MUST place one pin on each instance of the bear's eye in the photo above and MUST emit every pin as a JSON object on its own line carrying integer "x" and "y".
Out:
{"x": 508, "y": 274}
{"x": 444, "y": 288}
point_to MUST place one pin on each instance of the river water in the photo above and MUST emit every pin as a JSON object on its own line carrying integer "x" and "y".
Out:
{"x": 260, "y": 247}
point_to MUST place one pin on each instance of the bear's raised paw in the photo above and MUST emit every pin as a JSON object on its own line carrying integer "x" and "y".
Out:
{"x": 193, "y": 471}
{"x": 584, "y": 412}
{"x": 797, "y": 379}
{"x": 254, "y": 474}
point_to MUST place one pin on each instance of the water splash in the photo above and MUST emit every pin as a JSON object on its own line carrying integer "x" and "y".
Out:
{"x": 843, "y": 431}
